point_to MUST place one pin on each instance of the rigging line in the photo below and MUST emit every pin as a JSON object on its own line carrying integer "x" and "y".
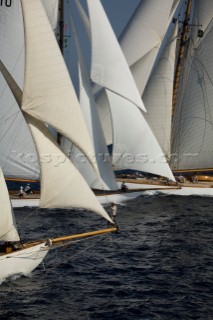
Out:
{"x": 78, "y": 253}
{"x": 28, "y": 216}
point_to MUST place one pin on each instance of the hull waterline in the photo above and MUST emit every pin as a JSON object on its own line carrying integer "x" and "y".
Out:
{"x": 22, "y": 261}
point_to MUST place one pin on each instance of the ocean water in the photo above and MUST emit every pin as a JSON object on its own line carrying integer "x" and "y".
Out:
{"x": 159, "y": 266}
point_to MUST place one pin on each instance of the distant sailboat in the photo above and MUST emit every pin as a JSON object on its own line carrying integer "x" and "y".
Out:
{"x": 134, "y": 146}
{"x": 47, "y": 86}
{"x": 180, "y": 117}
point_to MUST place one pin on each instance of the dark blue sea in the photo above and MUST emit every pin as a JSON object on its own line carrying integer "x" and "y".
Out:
{"x": 158, "y": 267}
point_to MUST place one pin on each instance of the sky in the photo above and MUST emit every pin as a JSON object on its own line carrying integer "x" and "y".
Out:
{"x": 119, "y": 12}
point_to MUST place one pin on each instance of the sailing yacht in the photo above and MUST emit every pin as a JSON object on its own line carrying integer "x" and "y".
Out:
{"x": 120, "y": 107}
{"x": 179, "y": 115}
{"x": 47, "y": 96}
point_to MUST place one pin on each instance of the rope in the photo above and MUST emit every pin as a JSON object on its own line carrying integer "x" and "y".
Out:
{"x": 76, "y": 254}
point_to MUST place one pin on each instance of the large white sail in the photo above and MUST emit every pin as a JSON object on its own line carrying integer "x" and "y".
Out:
{"x": 158, "y": 93}
{"x": 109, "y": 67}
{"x": 193, "y": 117}
{"x": 62, "y": 186}
{"x": 18, "y": 156}
{"x": 100, "y": 152}
{"x": 134, "y": 145}
{"x": 143, "y": 35}
{"x": 48, "y": 91}
{"x": 8, "y": 229}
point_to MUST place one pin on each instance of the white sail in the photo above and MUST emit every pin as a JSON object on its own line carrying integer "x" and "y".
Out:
{"x": 99, "y": 150}
{"x": 51, "y": 8}
{"x": 109, "y": 67}
{"x": 193, "y": 117}
{"x": 48, "y": 91}
{"x": 8, "y": 229}
{"x": 18, "y": 156}
{"x": 143, "y": 35}
{"x": 134, "y": 145}
{"x": 158, "y": 94}
{"x": 62, "y": 186}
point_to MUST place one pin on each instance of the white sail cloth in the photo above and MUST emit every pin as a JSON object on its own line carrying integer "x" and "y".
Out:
{"x": 158, "y": 94}
{"x": 143, "y": 35}
{"x": 100, "y": 152}
{"x": 18, "y": 156}
{"x": 134, "y": 145}
{"x": 49, "y": 97}
{"x": 109, "y": 67}
{"x": 8, "y": 229}
{"x": 193, "y": 117}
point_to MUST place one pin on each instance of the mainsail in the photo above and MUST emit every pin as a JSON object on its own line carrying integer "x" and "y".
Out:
{"x": 193, "y": 114}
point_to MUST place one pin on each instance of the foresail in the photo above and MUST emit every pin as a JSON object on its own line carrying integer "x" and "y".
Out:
{"x": 62, "y": 186}
{"x": 134, "y": 145}
{"x": 158, "y": 93}
{"x": 99, "y": 151}
{"x": 109, "y": 67}
{"x": 143, "y": 35}
{"x": 193, "y": 116}
{"x": 48, "y": 94}
{"x": 8, "y": 229}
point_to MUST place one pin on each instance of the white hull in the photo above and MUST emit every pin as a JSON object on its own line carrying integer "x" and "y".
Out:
{"x": 103, "y": 199}
{"x": 185, "y": 191}
{"x": 22, "y": 261}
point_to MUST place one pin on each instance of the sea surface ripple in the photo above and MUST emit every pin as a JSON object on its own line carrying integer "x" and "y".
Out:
{"x": 158, "y": 267}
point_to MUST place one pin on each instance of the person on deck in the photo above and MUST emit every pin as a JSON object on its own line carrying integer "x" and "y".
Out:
{"x": 124, "y": 187}
{"x": 27, "y": 189}
{"x": 21, "y": 192}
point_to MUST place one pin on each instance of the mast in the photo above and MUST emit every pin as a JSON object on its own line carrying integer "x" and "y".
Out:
{"x": 185, "y": 30}
{"x": 61, "y": 43}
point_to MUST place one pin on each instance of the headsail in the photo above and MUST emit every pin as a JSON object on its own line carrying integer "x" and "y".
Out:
{"x": 109, "y": 67}
{"x": 99, "y": 151}
{"x": 143, "y": 35}
{"x": 158, "y": 93}
{"x": 8, "y": 229}
{"x": 49, "y": 95}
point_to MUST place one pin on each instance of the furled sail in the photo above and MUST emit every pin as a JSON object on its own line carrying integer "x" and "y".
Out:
{"x": 158, "y": 93}
{"x": 109, "y": 67}
{"x": 193, "y": 116}
{"x": 99, "y": 151}
{"x": 8, "y": 229}
{"x": 49, "y": 95}
{"x": 143, "y": 35}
